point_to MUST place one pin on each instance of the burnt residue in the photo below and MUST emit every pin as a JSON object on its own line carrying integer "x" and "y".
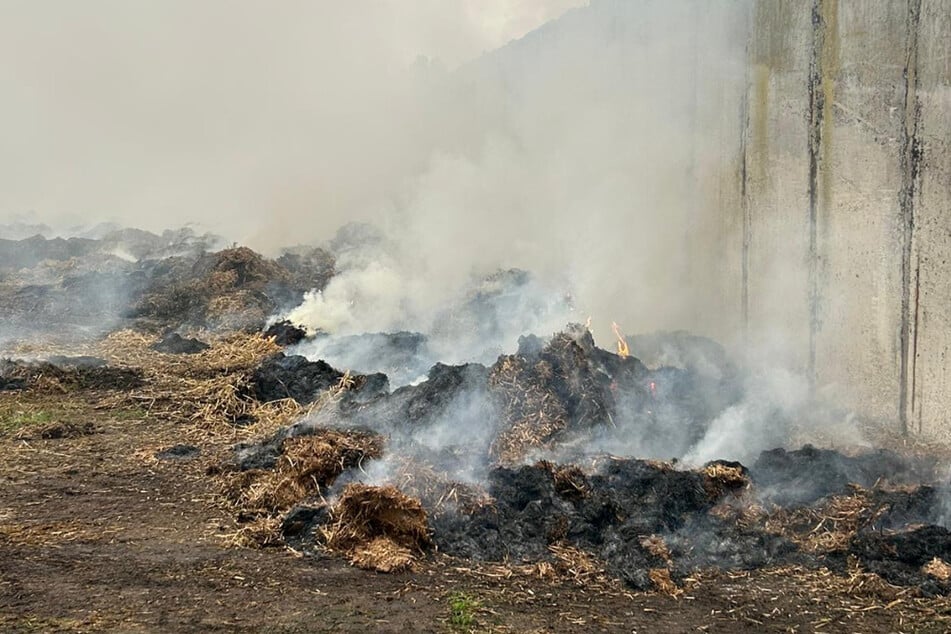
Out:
{"x": 911, "y": 162}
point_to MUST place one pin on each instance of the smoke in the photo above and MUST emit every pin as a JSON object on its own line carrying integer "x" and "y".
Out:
{"x": 759, "y": 421}
{"x": 513, "y": 185}
{"x": 377, "y": 290}
{"x": 277, "y": 122}
{"x": 574, "y": 152}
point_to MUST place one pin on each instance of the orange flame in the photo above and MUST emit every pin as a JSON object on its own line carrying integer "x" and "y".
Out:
{"x": 622, "y": 349}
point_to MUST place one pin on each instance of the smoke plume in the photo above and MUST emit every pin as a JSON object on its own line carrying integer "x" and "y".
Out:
{"x": 572, "y": 152}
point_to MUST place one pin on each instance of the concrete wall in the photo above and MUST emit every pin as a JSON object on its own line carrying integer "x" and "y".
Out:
{"x": 843, "y": 214}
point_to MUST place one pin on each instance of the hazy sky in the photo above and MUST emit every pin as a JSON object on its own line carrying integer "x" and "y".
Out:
{"x": 160, "y": 112}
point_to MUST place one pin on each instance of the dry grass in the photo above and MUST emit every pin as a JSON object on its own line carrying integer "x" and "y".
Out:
{"x": 365, "y": 514}
{"x": 533, "y": 413}
{"x": 825, "y": 528}
{"x": 719, "y": 479}
{"x": 937, "y": 568}
{"x": 662, "y": 581}
{"x": 307, "y": 465}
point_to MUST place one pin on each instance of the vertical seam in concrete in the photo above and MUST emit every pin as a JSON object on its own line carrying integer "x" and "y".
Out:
{"x": 914, "y": 345}
{"x": 744, "y": 200}
{"x": 816, "y": 113}
{"x": 910, "y": 166}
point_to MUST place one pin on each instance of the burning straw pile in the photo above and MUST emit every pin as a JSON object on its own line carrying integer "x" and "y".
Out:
{"x": 546, "y": 391}
{"x": 535, "y": 414}
{"x": 650, "y": 524}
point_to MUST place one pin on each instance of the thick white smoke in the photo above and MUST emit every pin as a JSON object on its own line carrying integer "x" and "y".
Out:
{"x": 574, "y": 153}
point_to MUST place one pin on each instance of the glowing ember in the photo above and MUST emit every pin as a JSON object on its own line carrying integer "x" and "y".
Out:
{"x": 622, "y": 349}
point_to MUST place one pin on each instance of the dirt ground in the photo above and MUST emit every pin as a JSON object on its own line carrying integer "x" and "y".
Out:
{"x": 97, "y": 534}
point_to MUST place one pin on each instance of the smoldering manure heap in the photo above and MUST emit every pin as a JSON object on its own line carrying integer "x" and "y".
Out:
{"x": 507, "y": 463}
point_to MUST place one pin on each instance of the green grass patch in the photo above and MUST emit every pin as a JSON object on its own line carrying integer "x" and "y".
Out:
{"x": 462, "y": 610}
{"x": 128, "y": 413}
{"x": 13, "y": 420}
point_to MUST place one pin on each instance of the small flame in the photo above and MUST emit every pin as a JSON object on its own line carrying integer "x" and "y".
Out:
{"x": 622, "y": 349}
{"x": 587, "y": 324}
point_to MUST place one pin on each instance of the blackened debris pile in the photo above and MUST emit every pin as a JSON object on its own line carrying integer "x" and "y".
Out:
{"x": 174, "y": 343}
{"x": 616, "y": 511}
{"x": 285, "y": 333}
{"x": 88, "y": 286}
{"x": 507, "y": 464}
{"x": 233, "y": 289}
{"x": 293, "y": 377}
{"x": 900, "y": 538}
{"x": 67, "y": 372}
{"x": 808, "y": 474}
{"x": 914, "y": 557}
{"x": 547, "y": 397}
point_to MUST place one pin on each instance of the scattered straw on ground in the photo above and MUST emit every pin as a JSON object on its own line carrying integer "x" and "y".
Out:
{"x": 208, "y": 391}
{"x": 382, "y": 554}
{"x": 51, "y": 534}
{"x": 262, "y": 532}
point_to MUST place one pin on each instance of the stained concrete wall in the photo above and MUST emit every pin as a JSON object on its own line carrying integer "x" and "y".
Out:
{"x": 842, "y": 208}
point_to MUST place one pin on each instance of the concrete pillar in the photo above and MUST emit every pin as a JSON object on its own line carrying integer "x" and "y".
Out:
{"x": 847, "y": 195}
{"x": 929, "y": 375}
